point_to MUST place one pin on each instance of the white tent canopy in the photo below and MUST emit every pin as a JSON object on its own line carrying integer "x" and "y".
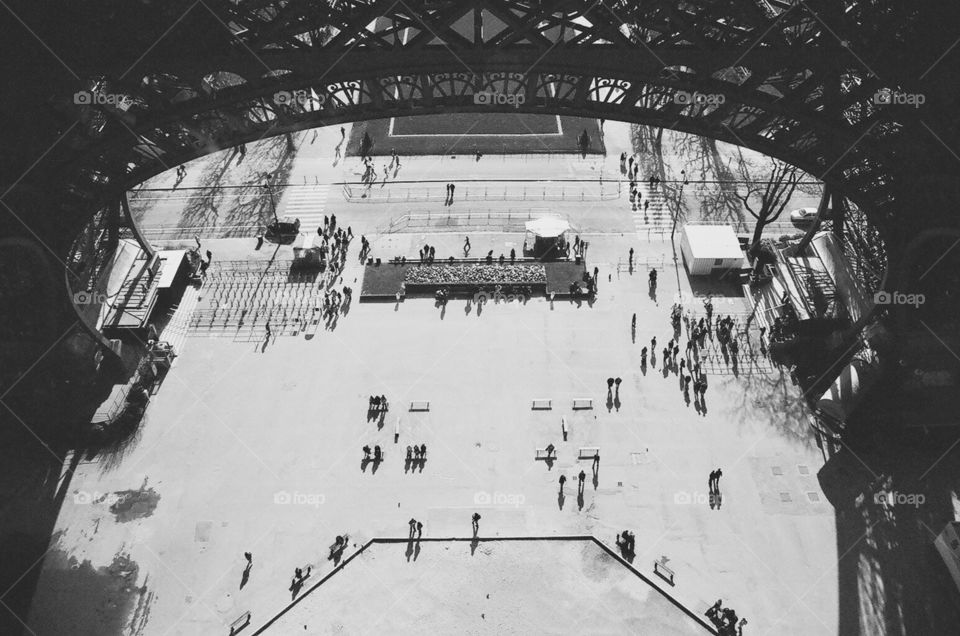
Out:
{"x": 547, "y": 227}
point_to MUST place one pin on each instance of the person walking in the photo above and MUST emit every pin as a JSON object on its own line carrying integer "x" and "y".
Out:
{"x": 562, "y": 480}
{"x": 453, "y": 188}
{"x": 466, "y": 247}
{"x": 476, "y": 523}
{"x": 631, "y": 256}
{"x": 583, "y": 478}
{"x": 413, "y": 526}
{"x": 419, "y": 530}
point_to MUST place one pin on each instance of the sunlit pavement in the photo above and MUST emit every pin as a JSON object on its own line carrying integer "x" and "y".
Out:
{"x": 237, "y": 427}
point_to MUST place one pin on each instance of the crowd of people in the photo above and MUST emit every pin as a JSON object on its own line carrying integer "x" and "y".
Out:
{"x": 477, "y": 274}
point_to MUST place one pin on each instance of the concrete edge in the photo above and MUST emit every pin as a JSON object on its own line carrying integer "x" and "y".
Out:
{"x": 573, "y": 537}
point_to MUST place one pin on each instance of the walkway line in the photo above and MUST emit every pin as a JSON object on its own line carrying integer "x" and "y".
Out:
{"x": 574, "y": 537}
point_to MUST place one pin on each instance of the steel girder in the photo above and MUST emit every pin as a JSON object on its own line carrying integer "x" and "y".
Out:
{"x": 790, "y": 79}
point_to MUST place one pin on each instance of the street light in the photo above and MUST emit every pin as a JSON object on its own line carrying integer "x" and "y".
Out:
{"x": 268, "y": 186}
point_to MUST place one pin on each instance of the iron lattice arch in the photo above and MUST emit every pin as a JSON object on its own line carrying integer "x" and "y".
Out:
{"x": 787, "y": 78}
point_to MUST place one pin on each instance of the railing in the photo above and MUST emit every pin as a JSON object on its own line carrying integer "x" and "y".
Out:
{"x": 413, "y": 192}
{"x": 511, "y": 220}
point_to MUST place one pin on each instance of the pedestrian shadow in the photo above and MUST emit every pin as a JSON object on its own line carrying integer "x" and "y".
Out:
{"x": 561, "y": 499}
{"x": 409, "y": 552}
{"x": 616, "y": 402}
{"x": 407, "y": 464}
{"x": 295, "y": 586}
{"x": 245, "y": 578}
{"x": 375, "y": 467}
{"x": 596, "y": 478}
{"x": 473, "y": 545}
{"x": 443, "y": 311}
{"x": 643, "y": 368}
{"x": 609, "y": 403}
{"x": 364, "y": 463}
{"x": 580, "y": 499}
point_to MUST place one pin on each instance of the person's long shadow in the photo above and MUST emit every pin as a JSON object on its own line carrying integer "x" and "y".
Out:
{"x": 686, "y": 398}
{"x": 364, "y": 463}
{"x": 549, "y": 462}
{"x": 443, "y": 311}
{"x": 409, "y": 552}
{"x": 467, "y": 308}
{"x": 580, "y": 499}
{"x": 473, "y": 545}
{"x": 422, "y": 463}
{"x": 703, "y": 405}
{"x": 407, "y": 464}
{"x": 376, "y": 465}
{"x": 416, "y": 550}
{"x": 245, "y": 578}
{"x": 643, "y": 368}
{"x": 616, "y": 401}
{"x": 633, "y": 335}
{"x": 666, "y": 370}
{"x": 479, "y": 309}
{"x": 295, "y": 587}
{"x": 596, "y": 477}
{"x": 561, "y": 499}
{"x": 653, "y": 293}
{"x": 609, "y": 402}
{"x": 382, "y": 420}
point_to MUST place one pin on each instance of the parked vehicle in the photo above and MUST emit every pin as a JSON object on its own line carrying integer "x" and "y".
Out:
{"x": 804, "y": 217}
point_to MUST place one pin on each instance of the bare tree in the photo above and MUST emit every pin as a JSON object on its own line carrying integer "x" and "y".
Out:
{"x": 766, "y": 201}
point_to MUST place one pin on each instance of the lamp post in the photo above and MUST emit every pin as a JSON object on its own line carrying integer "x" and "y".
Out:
{"x": 676, "y": 213}
{"x": 268, "y": 186}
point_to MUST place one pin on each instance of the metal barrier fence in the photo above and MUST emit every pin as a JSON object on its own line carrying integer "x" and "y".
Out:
{"x": 513, "y": 220}
{"x": 484, "y": 191}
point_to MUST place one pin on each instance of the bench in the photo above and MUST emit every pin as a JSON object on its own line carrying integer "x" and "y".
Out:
{"x": 543, "y": 453}
{"x": 582, "y": 403}
{"x": 240, "y": 623}
{"x": 420, "y": 405}
{"x": 589, "y": 452}
{"x": 660, "y": 569}
{"x": 542, "y": 404}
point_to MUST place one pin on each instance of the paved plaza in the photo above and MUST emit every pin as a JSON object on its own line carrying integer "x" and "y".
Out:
{"x": 267, "y": 437}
